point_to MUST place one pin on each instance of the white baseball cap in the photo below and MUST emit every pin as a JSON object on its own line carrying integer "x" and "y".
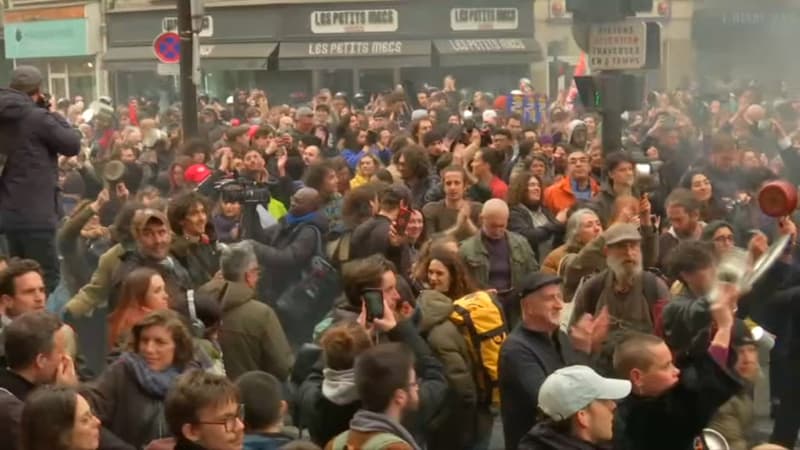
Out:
{"x": 570, "y": 389}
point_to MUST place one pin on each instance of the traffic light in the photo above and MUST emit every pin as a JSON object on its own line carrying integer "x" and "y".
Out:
{"x": 606, "y": 10}
{"x": 611, "y": 91}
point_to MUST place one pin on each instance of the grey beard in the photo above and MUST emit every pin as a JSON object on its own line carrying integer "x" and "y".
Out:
{"x": 624, "y": 273}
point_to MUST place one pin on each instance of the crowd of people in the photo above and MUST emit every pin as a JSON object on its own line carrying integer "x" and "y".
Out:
{"x": 416, "y": 270}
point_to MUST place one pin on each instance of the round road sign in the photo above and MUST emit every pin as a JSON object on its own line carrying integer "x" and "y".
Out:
{"x": 167, "y": 47}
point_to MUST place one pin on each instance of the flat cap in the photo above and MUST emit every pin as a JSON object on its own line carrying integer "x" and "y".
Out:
{"x": 532, "y": 282}
{"x": 621, "y": 232}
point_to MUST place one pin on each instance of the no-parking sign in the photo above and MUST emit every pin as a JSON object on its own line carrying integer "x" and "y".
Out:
{"x": 167, "y": 47}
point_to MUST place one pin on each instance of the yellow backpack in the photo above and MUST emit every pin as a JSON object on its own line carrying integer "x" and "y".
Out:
{"x": 480, "y": 320}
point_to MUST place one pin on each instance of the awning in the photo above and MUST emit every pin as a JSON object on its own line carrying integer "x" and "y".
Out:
{"x": 354, "y": 55}
{"x": 487, "y": 51}
{"x": 252, "y": 56}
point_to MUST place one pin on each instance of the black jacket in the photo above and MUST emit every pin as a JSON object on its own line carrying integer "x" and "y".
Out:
{"x": 31, "y": 138}
{"x": 372, "y": 237}
{"x": 13, "y": 391}
{"x": 325, "y": 419}
{"x": 526, "y": 359}
{"x": 521, "y": 222}
{"x": 673, "y": 420}
{"x": 544, "y": 437}
{"x": 284, "y": 250}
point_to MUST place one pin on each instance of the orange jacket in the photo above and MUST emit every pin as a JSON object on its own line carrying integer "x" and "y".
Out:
{"x": 559, "y": 196}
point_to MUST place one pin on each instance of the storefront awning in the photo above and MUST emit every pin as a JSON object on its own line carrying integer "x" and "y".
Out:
{"x": 379, "y": 54}
{"x": 251, "y": 56}
{"x": 487, "y": 51}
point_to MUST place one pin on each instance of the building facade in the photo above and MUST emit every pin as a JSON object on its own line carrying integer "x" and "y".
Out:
{"x": 65, "y": 40}
{"x": 298, "y": 47}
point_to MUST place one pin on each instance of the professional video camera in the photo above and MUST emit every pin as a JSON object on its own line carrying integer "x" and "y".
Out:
{"x": 243, "y": 190}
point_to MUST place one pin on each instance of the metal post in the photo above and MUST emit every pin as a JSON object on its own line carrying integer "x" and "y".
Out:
{"x": 187, "y": 86}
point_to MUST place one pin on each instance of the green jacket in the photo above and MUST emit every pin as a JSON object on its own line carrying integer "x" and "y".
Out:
{"x": 251, "y": 335}
{"x": 200, "y": 260}
{"x": 97, "y": 292}
{"x": 734, "y": 419}
{"x": 523, "y": 260}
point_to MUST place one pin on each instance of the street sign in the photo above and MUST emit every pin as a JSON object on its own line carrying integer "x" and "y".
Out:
{"x": 618, "y": 45}
{"x": 206, "y": 29}
{"x": 170, "y": 69}
{"x": 167, "y": 47}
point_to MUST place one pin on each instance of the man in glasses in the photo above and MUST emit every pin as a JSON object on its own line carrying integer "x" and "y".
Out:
{"x": 576, "y": 186}
{"x": 203, "y": 412}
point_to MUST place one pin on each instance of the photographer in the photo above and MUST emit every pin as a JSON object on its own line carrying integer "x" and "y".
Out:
{"x": 31, "y": 138}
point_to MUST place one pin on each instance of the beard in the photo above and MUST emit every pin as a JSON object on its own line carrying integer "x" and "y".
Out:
{"x": 623, "y": 272}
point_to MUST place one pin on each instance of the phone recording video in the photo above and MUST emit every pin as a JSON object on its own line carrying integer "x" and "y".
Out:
{"x": 373, "y": 300}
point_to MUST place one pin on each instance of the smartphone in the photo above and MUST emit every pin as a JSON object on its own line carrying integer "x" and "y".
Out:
{"x": 373, "y": 300}
{"x": 403, "y": 216}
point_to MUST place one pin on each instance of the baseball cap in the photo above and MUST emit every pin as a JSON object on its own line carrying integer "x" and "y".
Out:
{"x": 570, "y": 389}
{"x": 143, "y": 216}
{"x": 532, "y": 282}
{"x": 621, "y": 232}
{"x": 196, "y": 173}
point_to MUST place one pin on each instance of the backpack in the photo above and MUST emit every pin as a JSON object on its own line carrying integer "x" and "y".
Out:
{"x": 480, "y": 320}
{"x": 338, "y": 250}
{"x": 312, "y": 297}
{"x": 377, "y": 441}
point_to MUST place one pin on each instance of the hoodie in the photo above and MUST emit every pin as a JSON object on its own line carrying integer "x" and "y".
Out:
{"x": 544, "y": 437}
{"x": 31, "y": 139}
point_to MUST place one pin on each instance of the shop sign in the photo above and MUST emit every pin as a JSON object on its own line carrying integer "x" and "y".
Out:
{"x": 478, "y": 19}
{"x": 36, "y": 39}
{"x": 486, "y": 45}
{"x": 355, "y": 48}
{"x": 354, "y": 21}
{"x": 171, "y": 24}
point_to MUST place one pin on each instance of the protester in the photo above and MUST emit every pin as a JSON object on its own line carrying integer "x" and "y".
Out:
{"x": 579, "y": 407}
{"x": 33, "y": 137}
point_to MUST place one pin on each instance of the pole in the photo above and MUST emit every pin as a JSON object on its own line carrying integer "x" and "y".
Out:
{"x": 187, "y": 86}
{"x": 612, "y": 131}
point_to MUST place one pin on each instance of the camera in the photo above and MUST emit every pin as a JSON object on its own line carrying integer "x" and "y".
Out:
{"x": 243, "y": 190}
{"x": 44, "y": 100}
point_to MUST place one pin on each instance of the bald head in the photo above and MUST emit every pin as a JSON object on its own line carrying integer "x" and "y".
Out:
{"x": 494, "y": 218}
{"x": 304, "y": 201}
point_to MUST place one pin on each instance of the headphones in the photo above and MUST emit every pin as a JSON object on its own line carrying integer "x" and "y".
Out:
{"x": 198, "y": 328}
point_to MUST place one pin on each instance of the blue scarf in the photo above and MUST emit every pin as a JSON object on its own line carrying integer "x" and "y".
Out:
{"x": 154, "y": 383}
{"x": 291, "y": 219}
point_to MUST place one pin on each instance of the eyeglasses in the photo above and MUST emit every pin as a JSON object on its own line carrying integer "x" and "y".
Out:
{"x": 578, "y": 160}
{"x": 229, "y": 422}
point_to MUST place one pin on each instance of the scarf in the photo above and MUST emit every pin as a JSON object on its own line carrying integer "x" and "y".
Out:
{"x": 154, "y": 383}
{"x": 339, "y": 386}
{"x": 292, "y": 219}
{"x": 371, "y": 422}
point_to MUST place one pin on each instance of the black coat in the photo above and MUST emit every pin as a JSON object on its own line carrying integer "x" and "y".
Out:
{"x": 526, "y": 359}
{"x": 673, "y": 420}
{"x": 31, "y": 138}
{"x": 544, "y": 437}
{"x": 325, "y": 420}
{"x": 521, "y": 222}
{"x": 372, "y": 237}
{"x": 13, "y": 391}
{"x": 284, "y": 250}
